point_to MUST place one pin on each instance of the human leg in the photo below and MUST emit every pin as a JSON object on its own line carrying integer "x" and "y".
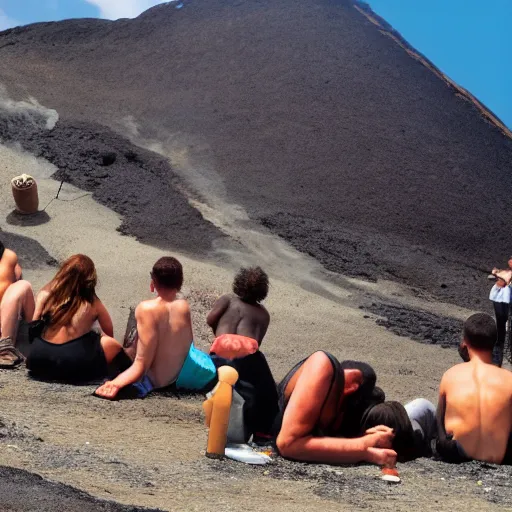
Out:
{"x": 255, "y": 370}
{"x": 111, "y": 347}
{"x": 501, "y": 310}
{"x": 422, "y": 414}
{"x": 17, "y": 303}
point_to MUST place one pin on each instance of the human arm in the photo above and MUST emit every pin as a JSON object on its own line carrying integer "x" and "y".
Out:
{"x": 147, "y": 329}
{"x": 219, "y": 308}
{"x": 441, "y": 410}
{"x": 41, "y": 299}
{"x": 373, "y": 448}
{"x": 104, "y": 318}
{"x": 265, "y": 324}
{"x": 445, "y": 445}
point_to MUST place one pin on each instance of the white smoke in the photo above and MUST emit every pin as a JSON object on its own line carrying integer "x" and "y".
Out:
{"x": 115, "y": 9}
{"x": 14, "y": 160}
{"x": 26, "y": 112}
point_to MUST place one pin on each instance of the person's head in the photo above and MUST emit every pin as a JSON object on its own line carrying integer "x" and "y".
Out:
{"x": 2, "y": 249}
{"x": 393, "y": 415}
{"x": 167, "y": 275}
{"x": 73, "y": 285}
{"x": 360, "y": 379}
{"x": 360, "y": 392}
{"x": 479, "y": 333}
{"x": 251, "y": 284}
{"x": 510, "y": 263}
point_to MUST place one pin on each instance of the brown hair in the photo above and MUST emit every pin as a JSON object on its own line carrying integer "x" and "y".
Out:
{"x": 393, "y": 415}
{"x": 168, "y": 273}
{"x": 73, "y": 285}
{"x": 480, "y": 331}
{"x": 251, "y": 284}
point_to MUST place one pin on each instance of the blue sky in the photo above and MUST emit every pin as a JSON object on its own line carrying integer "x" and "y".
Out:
{"x": 469, "y": 40}
{"x": 21, "y": 12}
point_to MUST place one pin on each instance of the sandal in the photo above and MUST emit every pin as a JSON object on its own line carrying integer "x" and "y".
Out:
{"x": 10, "y": 356}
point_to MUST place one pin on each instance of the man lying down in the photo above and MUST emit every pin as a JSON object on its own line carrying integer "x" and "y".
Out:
{"x": 322, "y": 403}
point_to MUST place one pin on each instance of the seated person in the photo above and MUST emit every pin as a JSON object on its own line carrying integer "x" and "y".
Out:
{"x": 414, "y": 426}
{"x": 16, "y": 303}
{"x": 240, "y": 322}
{"x": 67, "y": 347}
{"x": 475, "y": 401}
{"x": 322, "y": 403}
{"x": 164, "y": 333}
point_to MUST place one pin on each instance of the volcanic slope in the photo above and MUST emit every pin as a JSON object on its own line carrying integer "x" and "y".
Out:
{"x": 306, "y": 114}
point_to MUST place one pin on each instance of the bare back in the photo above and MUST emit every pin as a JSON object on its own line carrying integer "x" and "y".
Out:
{"x": 231, "y": 315}
{"x": 81, "y": 323}
{"x": 8, "y": 263}
{"x": 165, "y": 335}
{"x": 478, "y": 413}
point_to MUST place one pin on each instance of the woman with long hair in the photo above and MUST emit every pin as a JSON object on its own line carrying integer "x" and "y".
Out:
{"x": 67, "y": 347}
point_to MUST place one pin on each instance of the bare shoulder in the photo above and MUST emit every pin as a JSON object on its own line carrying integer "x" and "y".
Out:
{"x": 97, "y": 304}
{"x": 506, "y": 375}
{"x": 181, "y": 306}
{"x": 454, "y": 373}
{"x": 47, "y": 288}
{"x": 225, "y": 299}
{"x": 10, "y": 257}
{"x": 147, "y": 307}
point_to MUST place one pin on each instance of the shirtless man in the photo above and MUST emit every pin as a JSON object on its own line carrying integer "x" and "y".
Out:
{"x": 319, "y": 398}
{"x": 240, "y": 322}
{"x": 164, "y": 330}
{"x": 475, "y": 401}
{"x": 16, "y": 298}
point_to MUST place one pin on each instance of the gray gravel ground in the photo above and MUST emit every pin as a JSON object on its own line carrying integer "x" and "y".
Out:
{"x": 301, "y": 116}
{"x": 22, "y": 491}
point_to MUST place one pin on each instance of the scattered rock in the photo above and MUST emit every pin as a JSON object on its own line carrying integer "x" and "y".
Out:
{"x": 108, "y": 159}
{"x": 417, "y": 324}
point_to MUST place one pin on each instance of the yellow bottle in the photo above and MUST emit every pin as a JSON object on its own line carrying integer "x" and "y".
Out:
{"x": 216, "y": 408}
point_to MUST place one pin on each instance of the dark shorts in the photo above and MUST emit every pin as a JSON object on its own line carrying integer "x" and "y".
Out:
{"x": 78, "y": 360}
{"x": 450, "y": 450}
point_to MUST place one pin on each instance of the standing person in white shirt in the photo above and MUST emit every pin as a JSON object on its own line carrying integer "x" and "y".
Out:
{"x": 500, "y": 297}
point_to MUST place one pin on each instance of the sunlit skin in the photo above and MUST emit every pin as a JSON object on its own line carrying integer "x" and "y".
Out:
{"x": 16, "y": 296}
{"x": 231, "y": 315}
{"x": 475, "y": 401}
{"x": 164, "y": 330}
{"x": 305, "y": 394}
